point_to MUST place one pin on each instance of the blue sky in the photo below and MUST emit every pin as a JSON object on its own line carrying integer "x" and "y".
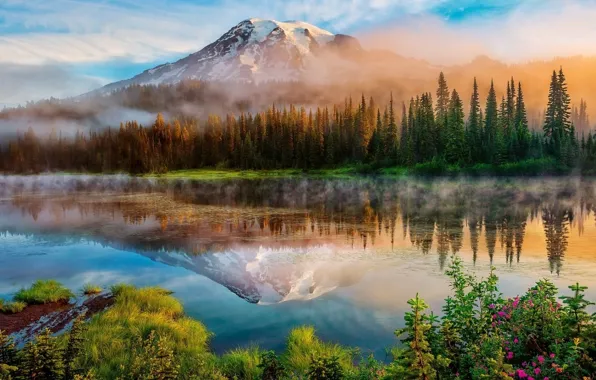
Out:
{"x": 83, "y": 44}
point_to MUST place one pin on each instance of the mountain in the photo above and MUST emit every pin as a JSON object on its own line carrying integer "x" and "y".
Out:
{"x": 255, "y": 50}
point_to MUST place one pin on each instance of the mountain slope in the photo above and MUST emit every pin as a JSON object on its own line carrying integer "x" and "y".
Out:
{"x": 255, "y": 50}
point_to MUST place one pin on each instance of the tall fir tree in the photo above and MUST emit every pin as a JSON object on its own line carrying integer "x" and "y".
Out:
{"x": 491, "y": 123}
{"x": 521, "y": 125}
{"x": 474, "y": 135}
{"x": 442, "y": 111}
{"x": 455, "y": 145}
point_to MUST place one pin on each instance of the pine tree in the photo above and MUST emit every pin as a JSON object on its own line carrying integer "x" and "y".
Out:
{"x": 475, "y": 126}
{"x": 9, "y": 362}
{"x": 442, "y": 112}
{"x": 490, "y": 123}
{"x": 557, "y": 124}
{"x": 416, "y": 361}
{"x": 392, "y": 136}
{"x": 442, "y": 108}
{"x": 74, "y": 347}
{"x": 521, "y": 125}
{"x": 42, "y": 359}
{"x": 455, "y": 146}
{"x": 564, "y": 111}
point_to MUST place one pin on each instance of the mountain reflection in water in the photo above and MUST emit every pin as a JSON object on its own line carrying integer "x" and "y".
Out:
{"x": 353, "y": 251}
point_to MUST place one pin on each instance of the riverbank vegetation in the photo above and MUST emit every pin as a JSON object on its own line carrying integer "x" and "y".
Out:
{"x": 479, "y": 335}
{"x": 42, "y": 292}
{"x": 421, "y": 137}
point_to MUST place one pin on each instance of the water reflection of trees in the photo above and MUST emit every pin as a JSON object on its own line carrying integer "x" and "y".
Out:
{"x": 430, "y": 214}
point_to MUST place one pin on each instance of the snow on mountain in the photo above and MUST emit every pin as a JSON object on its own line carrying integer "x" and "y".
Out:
{"x": 267, "y": 276}
{"x": 255, "y": 50}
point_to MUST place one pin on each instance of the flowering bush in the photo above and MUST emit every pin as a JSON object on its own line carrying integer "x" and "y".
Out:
{"x": 484, "y": 336}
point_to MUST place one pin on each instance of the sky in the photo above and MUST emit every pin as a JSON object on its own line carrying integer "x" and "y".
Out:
{"x": 66, "y": 47}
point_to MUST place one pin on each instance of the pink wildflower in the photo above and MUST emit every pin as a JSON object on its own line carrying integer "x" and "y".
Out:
{"x": 510, "y": 355}
{"x": 537, "y": 371}
{"x": 516, "y": 302}
{"x": 516, "y": 341}
{"x": 522, "y": 374}
{"x": 540, "y": 359}
{"x": 552, "y": 356}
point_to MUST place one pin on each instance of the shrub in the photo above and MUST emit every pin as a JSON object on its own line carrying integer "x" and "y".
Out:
{"x": 271, "y": 366}
{"x": 481, "y": 335}
{"x": 90, "y": 289}
{"x": 13, "y": 307}
{"x": 42, "y": 359}
{"x": 42, "y": 292}
{"x": 153, "y": 358}
{"x": 325, "y": 368}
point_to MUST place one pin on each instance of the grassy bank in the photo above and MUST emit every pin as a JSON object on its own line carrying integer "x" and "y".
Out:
{"x": 223, "y": 174}
{"x": 480, "y": 335}
{"x": 534, "y": 167}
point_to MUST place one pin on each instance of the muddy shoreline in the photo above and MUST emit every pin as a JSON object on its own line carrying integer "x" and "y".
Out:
{"x": 56, "y": 316}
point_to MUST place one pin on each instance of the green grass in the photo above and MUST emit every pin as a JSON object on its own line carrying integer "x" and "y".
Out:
{"x": 13, "y": 307}
{"x": 224, "y": 174}
{"x": 90, "y": 289}
{"x": 109, "y": 336}
{"x": 303, "y": 344}
{"x": 42, "y": 292}
{"x": 216, "y": 174}
{"x": 242, "y": 363}
{"x": 435, "y": 168}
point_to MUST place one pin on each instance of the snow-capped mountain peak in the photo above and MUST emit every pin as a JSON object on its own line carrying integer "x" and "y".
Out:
{"x": 255, "y": 50}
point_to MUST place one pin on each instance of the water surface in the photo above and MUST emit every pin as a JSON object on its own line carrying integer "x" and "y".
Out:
{"x": 254, "y": 258}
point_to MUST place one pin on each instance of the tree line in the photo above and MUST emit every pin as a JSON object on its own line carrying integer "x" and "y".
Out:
{"x": 358, "y": 132}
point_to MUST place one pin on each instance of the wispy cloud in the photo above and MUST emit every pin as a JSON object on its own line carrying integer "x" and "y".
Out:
{"x": 531, "y": 30}
{"x": 76, "y": 31}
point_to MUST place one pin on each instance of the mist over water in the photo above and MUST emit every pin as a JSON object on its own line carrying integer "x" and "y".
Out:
{"x": 254, "y": 258}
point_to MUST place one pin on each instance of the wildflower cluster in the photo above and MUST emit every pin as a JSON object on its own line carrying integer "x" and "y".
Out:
{"x": 536, "y": 336}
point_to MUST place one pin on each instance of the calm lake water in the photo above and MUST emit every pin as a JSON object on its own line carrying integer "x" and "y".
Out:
{"x": 254, "y": 258}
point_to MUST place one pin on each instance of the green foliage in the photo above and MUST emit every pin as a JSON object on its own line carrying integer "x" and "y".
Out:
{"x": 120, "y": 288}
{"x": 417, "y": 360}
{"x": 271, "y": 366}
{"x": 42, "y": 359}
{"x": 325, "y": 368}
{"x": 74, "y": 347}
{"x": 8, "y": 356}
{"x": 115, "y": 337}
{"x": 13, "y": 307}
{"x": 241, "y": 364}
{"x": 285, "y": 142}
{"x": 152, "y": 359}
{"x": 303, "y": 344}
{"x": 480, "y": 335}
{"x": 44, "y": 291}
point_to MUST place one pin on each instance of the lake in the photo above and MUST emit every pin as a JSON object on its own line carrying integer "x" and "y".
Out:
{"x": 254, "y": 258}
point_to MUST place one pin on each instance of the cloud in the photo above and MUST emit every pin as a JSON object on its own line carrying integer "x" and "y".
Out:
{"x": 21, "y": 83}
{"x": 530, "y": 31}
{"x": 80, "y": 31}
